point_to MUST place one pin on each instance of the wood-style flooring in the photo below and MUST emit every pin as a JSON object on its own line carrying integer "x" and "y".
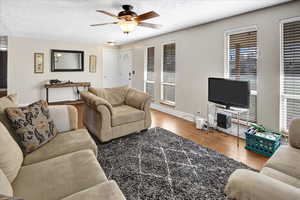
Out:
{"x": 3, "y": 93}
{"x": 222, "y": 143}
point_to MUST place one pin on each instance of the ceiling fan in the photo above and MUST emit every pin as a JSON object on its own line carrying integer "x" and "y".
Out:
{"x": 128, "y": 19}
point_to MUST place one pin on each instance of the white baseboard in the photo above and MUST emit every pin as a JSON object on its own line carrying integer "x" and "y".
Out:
{"x": 171, "y": 111}
{"x": 191, "y": 117}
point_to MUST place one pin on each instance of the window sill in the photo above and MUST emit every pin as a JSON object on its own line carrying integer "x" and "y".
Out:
{"x": 168, "y": 104}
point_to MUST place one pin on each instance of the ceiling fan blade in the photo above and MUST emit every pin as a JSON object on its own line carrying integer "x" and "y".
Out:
{"x": 146, "y": 16}
{"x": 149, "y": 25}
{"x": 108, "y": 13}
{"x": 104, "y": 24}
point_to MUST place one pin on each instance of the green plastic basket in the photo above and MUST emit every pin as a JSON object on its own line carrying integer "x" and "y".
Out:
{"x": 263, "y": 145}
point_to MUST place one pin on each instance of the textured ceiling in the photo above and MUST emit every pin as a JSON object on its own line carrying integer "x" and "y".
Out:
{"x": 69, "y": 20}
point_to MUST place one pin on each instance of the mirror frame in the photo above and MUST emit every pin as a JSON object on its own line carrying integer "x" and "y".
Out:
{"x": 53, "y": 69}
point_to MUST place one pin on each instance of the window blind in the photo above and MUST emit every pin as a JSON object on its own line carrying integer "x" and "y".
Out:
{"x": 168, "y": 73}
{"x": 150, "y": 76}
{"x": 3, "y": 69}
{"x": 150, "y": 64}
{"x": 242, "y": 64}
{"x": 290, "y": 77}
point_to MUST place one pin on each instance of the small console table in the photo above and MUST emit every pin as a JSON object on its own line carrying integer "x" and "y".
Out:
{"x": 232, "y": 111}
{"x": 64, "y": 85}
{"x": 79, "y": 104}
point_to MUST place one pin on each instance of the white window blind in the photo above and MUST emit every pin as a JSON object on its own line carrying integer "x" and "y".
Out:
{"x": 242, "y": 64}
{"x": 168, "y": 73}
{"x": 149, "y": 72}
{"x": 290, "y": 77}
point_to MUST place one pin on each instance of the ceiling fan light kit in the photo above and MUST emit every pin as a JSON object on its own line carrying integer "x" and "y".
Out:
{"x": 110, "y": 43}
{"x": 129, "y": 20}
{"x": 127, "y": 26}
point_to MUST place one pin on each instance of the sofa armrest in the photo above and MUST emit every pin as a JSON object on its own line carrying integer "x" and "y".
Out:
{"x": 95, "y": 101}
{"x": 65, "y": 117}
{"x": 103, "y": 123}
{"x": 137, "y": 99}
{"x": 248, "y": 185}
{"x": 294, "y": 133}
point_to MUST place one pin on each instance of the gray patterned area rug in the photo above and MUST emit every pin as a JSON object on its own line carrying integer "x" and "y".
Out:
{"x": 157, "y": 164}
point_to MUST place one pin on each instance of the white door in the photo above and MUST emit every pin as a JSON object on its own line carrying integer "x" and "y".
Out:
{"x": 111, "y": 68}
{"x": 126, "y": 67}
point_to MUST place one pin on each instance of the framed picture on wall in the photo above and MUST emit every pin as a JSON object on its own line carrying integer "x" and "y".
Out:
{"x": 38, "y": 63}
{"x": 93, "y": 63}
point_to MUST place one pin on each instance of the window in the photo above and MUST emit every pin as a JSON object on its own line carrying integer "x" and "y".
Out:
{"x": 149, "y": 72}
{"x": 168, "y": 74}
{"x": 242, "y": 63}
{"x": 290, "y": 72}
{"x": 3, "y": 63}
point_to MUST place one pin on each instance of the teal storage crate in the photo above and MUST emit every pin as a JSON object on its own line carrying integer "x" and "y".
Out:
{"x": 265, "y": 143}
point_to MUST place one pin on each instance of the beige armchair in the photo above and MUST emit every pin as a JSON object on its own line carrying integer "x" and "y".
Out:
{"x": 279, "y": 178}
{"x": 115, "y": 112}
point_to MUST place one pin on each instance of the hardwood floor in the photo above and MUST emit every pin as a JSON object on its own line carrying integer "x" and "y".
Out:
{"x": 3, "y": 93}
{"x": 223, "y": 143}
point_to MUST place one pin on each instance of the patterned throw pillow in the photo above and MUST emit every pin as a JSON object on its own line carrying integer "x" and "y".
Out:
{"x": 3, "y": 197}
{"x": 32, "y": 124}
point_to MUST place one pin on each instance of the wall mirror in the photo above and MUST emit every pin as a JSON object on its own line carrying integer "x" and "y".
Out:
{"x": 66, "y": 61}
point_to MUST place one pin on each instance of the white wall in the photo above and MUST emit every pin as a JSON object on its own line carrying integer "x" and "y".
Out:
{"x": 200, "y": 54}
{"x": 29, "y": 86}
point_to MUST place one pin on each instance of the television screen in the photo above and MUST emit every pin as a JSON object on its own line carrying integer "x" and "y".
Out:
{"x": 229, "y": 92}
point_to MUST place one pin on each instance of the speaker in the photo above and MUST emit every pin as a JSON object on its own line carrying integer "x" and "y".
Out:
{"x": 223, "y": 121}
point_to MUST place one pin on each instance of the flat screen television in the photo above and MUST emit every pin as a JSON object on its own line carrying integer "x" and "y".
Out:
{"x": 229, "y": 92}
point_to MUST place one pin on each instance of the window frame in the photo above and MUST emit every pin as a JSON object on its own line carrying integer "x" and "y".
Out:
{"x": 284, "y": 97}
{"x": 227, "y": 34}
{"x": 163, "y": 101}
{"x": 146, "y": 69}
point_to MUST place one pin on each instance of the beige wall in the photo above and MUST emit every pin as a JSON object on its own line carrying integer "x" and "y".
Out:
{"x": 200, "y": 54}
{"x": 29, "y": 86}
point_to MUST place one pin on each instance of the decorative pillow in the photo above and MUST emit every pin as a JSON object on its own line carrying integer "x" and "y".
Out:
{"x": 3, "y": 197}
{"x": 33, "y": 125}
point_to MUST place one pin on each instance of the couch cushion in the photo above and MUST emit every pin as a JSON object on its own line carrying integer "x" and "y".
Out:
{"x": 125, "y": 114}
{"x": 63, "y": 143}
{"x": 5, "y": 187}
{"x": 59, "y": 177}
{"x": 33, "y": 125}
{"x": 65, "y": 117}
{"x": 5, "y": 102}
{"x": 104, "y": 191}
{"x": 136, "y": 98}
{"x": 286, "y": 160}
{"x": 281, "y": 176}
{"x": 11, "y": 156}
{"x": 115, "y": 96}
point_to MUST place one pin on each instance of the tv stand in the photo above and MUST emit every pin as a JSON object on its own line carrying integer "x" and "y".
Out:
{"x": 236, "y": 112}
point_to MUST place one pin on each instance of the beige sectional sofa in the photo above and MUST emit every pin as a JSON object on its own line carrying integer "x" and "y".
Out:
{"x": 278, "y": 180}
{"x": 64, "y": 168}
{"x": 115, "y": 112}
